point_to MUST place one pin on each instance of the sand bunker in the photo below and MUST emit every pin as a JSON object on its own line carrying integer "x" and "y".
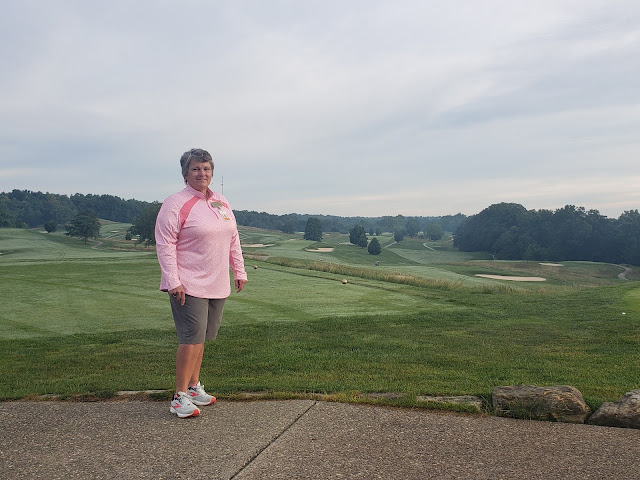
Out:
{"x": 552, "y": 264}
{"x": 327, "y": 249}
{"x": 257, "y": 245}
{"x": 513, "y": 279}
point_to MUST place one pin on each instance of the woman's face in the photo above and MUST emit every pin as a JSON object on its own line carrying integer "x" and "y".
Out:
{"x": 199, "y": 175}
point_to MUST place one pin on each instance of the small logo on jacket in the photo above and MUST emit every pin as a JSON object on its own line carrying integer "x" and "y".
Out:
{"x": 218, "y": 204}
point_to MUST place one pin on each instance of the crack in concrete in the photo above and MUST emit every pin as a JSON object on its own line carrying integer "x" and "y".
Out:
{"x": 273, "y": 440}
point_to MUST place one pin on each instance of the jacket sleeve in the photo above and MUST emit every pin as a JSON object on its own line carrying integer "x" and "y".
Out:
{"x": 167, "y": 231}
{"x": 235, "y": 252}
{"x": 235, "y": 258}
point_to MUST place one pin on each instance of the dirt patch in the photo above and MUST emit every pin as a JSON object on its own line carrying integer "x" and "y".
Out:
{"x": 258, "y": 245}
{"x": 552, "y": 264}
{"x": 327, "y": 249}
{"x": 513, "y": 279}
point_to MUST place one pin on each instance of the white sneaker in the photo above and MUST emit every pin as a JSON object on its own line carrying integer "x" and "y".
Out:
{"x": 198, "y": 396}
{"x": 182, "y": 406}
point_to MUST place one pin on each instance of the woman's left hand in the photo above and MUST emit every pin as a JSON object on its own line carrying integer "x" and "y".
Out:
{"x": 179, "y": 294}
{"x": 240, "y": 285}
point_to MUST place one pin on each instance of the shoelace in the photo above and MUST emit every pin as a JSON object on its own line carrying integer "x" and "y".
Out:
{"x": 183, "y": 400}
{"x": 198, "y": 388}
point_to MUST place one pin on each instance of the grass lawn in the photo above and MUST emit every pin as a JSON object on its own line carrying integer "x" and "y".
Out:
{"x": 81, "y": 320}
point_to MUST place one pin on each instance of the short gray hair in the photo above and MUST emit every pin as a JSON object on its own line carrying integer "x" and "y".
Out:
{"x": 199, "y": 154}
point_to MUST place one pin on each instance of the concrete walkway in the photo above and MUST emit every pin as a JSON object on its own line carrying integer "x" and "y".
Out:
{"x": 300, "y": 439}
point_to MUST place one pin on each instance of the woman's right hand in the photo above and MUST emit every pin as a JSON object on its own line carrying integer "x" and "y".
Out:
{"x": 178, "y": 294}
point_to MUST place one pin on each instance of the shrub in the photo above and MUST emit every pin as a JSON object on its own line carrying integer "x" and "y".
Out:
{"x": 50, "y": 226}
{"x": 374, "y": 247}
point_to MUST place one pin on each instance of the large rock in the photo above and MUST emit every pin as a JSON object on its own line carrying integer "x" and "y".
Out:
{"x": 624, "y": 412}
{"x": 560, "y": 403}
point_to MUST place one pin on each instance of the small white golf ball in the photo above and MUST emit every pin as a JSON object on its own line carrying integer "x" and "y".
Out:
{"x": 623, "y": 313}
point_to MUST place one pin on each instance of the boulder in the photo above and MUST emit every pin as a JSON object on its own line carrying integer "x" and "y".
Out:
{"x": 624, "y": 412}
{"x": 560, "y": 403}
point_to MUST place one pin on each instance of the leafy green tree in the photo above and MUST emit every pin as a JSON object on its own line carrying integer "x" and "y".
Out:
{"x": 571, "y": 232}
{"x": 535, "y": 252}
{"x": 507, "y": 246}
{"x": 313, "y": 230}
{"x": 398, "y": 236}
{"x": 412, "y": 227}
{"x": 50, "y": 226}
{"x": 479, "y": 232}
{"x": 356, "y": 233}
{"x": 388, "y": 223}
{"x": 289, "y": 226}
{"x": 7, "y": 216}
{"x": 603, "y": 245}
{"x": 629, "y": 237}
{"x": 362, "y": 241}
{"x": 374, "y": 247}
{"x": 434, "y": 231}
{"x": 145, "y": 224}
{"x": 84, "y": 225}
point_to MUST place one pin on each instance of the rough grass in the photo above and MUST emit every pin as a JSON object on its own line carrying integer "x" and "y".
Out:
{"x": 382, "y": 275}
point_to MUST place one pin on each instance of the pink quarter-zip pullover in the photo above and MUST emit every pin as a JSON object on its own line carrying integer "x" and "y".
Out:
{"x": 196, "y": 242}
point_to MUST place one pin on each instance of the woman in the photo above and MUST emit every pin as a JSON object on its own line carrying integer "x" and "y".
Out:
{"x": 196, "y": 241}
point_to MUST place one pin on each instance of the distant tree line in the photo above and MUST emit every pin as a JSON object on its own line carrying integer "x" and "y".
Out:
{"x": 511, "y": 232}
{"x": 294, "y": 222}
{"x": 507, "y": 230}
{"x": 24, "y": 208}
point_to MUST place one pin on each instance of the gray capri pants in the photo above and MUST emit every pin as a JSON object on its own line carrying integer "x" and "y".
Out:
{"x": 198, "y": 319}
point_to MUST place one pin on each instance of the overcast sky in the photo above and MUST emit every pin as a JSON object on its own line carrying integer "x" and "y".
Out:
{"x": 346, "y": 107}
